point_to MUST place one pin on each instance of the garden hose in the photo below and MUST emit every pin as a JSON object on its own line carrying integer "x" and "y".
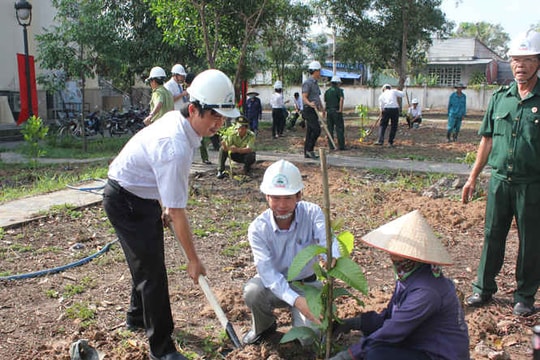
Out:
{"x": 89, "y": 188}
{"x": 59, "y": 268}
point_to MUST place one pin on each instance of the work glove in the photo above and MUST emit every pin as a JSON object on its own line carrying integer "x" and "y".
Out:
{"x": 343, "y": 355}
{"x": 347, "y": 325}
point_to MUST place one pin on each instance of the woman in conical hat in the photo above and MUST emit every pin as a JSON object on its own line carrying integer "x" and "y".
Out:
{"x": 424, "y": 319}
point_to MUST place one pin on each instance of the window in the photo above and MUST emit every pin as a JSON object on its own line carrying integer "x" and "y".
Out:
{"x": 446, "y": 75}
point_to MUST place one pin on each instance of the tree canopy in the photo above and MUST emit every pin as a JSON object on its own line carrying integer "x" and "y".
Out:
{"x": 387, "y": 34}
{"x": 493, "y": 36}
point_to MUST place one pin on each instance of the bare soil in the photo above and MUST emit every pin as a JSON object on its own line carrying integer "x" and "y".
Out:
{"x": 41, "y": 316}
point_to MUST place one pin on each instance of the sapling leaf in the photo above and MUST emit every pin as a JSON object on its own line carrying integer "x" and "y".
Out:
{"x": 350, "y": 273}
{"x": 346, "y": 243}
{"x": 302, "y": 259}
{"x": 313, "y": 298}
{"x": 344, "y": 292}
{"x": 300, "y": 333}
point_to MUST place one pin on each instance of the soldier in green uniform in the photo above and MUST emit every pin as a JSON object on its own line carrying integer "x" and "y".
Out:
{"x": 333, "y": 98}
{"x": 510, "y": 144}
{"x": 162, "y": 100}
{"x": 239, "y": 145}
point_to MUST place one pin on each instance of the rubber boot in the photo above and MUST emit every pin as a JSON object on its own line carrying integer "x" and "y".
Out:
{"x": 448, "y": 133}
{"x": 454, "y": 136}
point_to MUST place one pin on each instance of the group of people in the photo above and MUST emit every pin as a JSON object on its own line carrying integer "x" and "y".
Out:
{"x": 147, "y": 188}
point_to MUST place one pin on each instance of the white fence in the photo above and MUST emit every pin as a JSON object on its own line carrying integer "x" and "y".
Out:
{"x": 432, "y": 98}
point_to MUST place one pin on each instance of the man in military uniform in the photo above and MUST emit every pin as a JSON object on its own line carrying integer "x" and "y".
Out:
{"x": 239, "y": 145}
{"x": 510, "y": 144}
{"x": 333, "y": 99}
{"x": 311, "y": 97}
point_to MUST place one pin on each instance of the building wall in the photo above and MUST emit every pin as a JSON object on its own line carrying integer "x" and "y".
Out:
{"x": 11, "y": 38}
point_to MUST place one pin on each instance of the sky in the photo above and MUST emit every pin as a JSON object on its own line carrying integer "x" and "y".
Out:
{"x": 515, "y": 16}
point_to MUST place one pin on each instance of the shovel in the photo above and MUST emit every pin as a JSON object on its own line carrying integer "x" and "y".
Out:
{"x": 203, "y": 283}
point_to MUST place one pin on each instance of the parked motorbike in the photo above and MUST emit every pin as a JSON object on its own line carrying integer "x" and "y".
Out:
{"x": 119, "y": 124}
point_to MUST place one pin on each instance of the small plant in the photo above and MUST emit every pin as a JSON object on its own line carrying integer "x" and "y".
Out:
{"x": 344, "y": 269}
{"x": 470, "y": 158}
{"x": 83, "y": 312}
{"x": 71, "y": 290}
{"x": 362, "y": 112}
{"x": 34, "y": 131}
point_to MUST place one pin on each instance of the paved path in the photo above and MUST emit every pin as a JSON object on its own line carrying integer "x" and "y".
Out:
{"x": 24, "y": 210}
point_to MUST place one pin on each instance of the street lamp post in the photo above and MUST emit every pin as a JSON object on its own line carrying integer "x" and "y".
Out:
{"x": 23, "y": 10}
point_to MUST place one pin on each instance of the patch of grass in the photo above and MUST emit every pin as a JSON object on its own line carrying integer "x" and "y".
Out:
{"x": 49, "y": 249}
{"x": 82, "y": 311}
{"x": 96, "y": 148}
{"x": 21, "y": 180}
{"x": 21, "y": 248}
{"x": 52, "y": 294}
{"x": 71, "y": 290}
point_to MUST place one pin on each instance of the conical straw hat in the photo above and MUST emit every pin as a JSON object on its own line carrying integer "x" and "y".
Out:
{"x": 411, "y": 237}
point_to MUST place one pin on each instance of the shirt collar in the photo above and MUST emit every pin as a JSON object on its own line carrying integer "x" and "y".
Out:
{"x": 193, "y": 138}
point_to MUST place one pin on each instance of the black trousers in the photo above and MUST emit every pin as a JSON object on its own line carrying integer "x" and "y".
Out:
{"x": 278, "y": 121}
{"x": 139, "y": 228}
{"x": 247, "y": 159}
{"x": 391, "y": 114}
{"x": 313, "y": 128}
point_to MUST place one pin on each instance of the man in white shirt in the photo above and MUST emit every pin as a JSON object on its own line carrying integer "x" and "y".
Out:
{"x": 389, "y": 111}
{"x": 276, "y": 237}
{"x": 151, "y": 172}
{"x": 174, "y": 85}
{"x": 414, "y": 114}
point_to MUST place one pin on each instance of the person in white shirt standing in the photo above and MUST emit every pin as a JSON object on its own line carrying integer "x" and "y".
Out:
{"x": 276, "y": 237}
{"x": 151, "y": 172}
{"x": 174, "y": 85}
{"x": 278, "y": 106}
{"x": 389, "y": 111}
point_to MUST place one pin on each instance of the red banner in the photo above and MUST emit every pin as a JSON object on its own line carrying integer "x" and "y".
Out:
{"x": 25, "y": 114}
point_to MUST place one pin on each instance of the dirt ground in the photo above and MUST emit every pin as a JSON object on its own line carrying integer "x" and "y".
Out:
{"x": 41, "y": 316}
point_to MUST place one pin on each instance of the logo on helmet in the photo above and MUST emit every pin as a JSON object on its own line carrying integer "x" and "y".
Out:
{"x": 280, "y": 181}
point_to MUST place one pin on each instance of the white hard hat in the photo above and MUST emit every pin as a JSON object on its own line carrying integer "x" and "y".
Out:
{"x": 314, "y": 65}
{"x": 335, "y": 79}
{"x": 278, "y": 85}
{"x": 156, "y": 73}
{"x": 214, "y": 90}
{"x": 414, "y": 101}
{"x": 526, "y": 44}
{"x": 386, "y": 86}
{"x": 178, "y": 69}
{"x": 282, "y": 178}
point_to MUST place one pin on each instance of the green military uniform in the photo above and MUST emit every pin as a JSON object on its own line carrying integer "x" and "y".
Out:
{"x": 234, "y": 139}
{"x": 332, "y": 98}
{"x": 514, "y": 190}
{"x": 161, "y": 94}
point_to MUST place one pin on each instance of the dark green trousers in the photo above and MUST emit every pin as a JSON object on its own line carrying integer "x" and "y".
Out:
{"x": 505, "y": 202}
{"x": 335, "y": 120}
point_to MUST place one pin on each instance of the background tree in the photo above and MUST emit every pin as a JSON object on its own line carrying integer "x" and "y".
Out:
{"x": 384, "y": 33}
{"x": 493, "y": 36}
{"x": 283, "y": 37}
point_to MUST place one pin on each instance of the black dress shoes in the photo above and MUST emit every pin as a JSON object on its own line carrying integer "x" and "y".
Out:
{"x": 478, "y": 300}
{"x": 521, "y": 309}
{"x": 252, "y": 338}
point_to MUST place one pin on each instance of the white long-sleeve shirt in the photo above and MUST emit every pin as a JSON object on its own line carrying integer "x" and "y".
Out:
{"x": 274, "y": 249}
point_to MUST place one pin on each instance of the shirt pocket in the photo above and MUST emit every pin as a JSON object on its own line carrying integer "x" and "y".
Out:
{"x": 502, "y": 124}
{"x": 531, "y": 127}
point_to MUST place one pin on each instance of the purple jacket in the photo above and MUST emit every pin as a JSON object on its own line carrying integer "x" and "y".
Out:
{"x": 424, "y": 314}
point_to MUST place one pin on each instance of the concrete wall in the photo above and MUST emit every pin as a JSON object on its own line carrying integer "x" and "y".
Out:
{"x": 429, "y": 98}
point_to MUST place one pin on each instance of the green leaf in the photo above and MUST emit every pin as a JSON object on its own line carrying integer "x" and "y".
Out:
{"x": 313, "y": 298}
{"x": 349, "y": 272}
{"x": 346, "y": 243}
{"x": 300, "y": 333}
{"x": 302, "y": 259}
